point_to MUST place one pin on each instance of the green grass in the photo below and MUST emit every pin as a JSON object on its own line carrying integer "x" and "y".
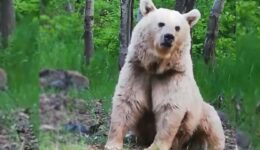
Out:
{"x": 20, "y": 60}
{"x": 60, "y": 146}
{"x": 49, "y": 141}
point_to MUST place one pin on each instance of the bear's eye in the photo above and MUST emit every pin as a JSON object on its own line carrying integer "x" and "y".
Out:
{"x": 161, "y": 24}
{"x": 177, "y": 28}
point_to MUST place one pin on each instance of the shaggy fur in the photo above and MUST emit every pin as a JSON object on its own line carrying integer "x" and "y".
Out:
{"x": 156, "y": 96}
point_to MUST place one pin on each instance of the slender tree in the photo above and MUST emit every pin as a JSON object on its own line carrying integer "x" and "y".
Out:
{"x": 125, "y": 28}
{"x": 88, "y": 34}
{"x": 7, "y": 20}
{"x": 212, "y": 32}
{"x": 69, "y": 7}
{"x": 184, "y": 6}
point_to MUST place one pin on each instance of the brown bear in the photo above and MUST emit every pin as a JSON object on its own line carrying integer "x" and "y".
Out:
{"x": 157, "y": 96}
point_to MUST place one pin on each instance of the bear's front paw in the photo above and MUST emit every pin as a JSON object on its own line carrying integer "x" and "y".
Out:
{"x": 112, "y": 147}
{"x": 157, "y": 147}
{"x": 152, "y": 147}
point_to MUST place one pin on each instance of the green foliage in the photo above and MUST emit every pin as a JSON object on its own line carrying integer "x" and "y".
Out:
{"x": 66, "y": 30}
{"x": 26, "y": 7}
{"x": 106, "y": 39}
{"x": 227, "y": 29}
{"x": 248, "y": 20}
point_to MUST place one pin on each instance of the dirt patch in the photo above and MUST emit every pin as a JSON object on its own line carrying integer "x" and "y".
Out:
{"x": 60, "y": 112}
{"x": 75, "y": 120}
{"x": 16, "y": 131}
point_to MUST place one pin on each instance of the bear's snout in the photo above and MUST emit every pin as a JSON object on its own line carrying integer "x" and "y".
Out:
{"x": 167, "y": 40}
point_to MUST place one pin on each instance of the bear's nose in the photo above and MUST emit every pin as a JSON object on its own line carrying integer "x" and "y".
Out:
{"x": 168, "y": 39}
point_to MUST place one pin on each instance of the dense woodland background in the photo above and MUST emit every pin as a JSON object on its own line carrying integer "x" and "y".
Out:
{"x": 52, "y": 33}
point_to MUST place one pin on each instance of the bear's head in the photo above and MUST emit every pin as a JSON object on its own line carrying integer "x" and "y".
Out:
{"x": 164, "y": 30}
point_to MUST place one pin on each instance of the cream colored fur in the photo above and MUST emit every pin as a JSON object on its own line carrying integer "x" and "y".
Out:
{"x": 159, "y": 81}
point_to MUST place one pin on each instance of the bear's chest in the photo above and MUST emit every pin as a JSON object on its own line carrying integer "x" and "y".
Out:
{"x": 159, "y": 67}
{"x": 155, "y": 65}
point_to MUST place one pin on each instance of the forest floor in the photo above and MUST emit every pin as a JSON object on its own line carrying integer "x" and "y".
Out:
{"x": 66, "y": 123}
{"x": 71, "y": 121}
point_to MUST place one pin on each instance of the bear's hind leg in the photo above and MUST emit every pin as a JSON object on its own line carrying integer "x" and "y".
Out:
{"x": 212, "y": 127}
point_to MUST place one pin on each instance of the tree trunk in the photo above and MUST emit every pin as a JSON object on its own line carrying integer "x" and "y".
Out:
{"x": 212, "y": 32}
{"x": 125, "y": 29}
{"x": 88, "y": 35}
{"x": 7, "y": 20}
{"x": 184, "y": 6}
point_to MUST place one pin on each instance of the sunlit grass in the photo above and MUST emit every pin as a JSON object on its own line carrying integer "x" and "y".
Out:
{"x": 20, "y": 61}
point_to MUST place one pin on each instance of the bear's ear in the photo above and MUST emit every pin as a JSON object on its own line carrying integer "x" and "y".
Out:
{"x": 146, "y": 6}
{"x": 192, "y": 17}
